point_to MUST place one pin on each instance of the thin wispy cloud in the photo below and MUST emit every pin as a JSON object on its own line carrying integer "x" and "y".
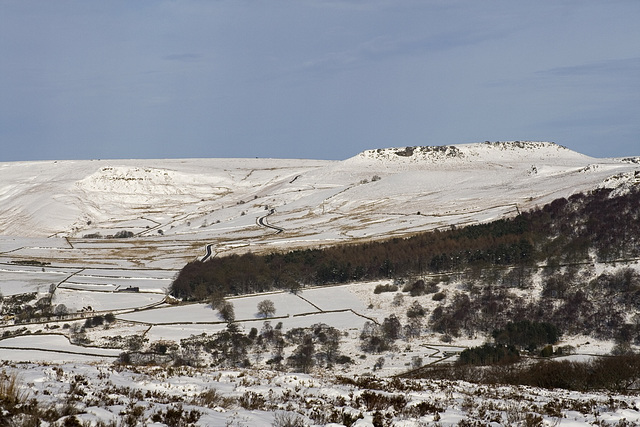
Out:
{"x": 608, "y": 68}
{"x": 622, "y": 73}
{"x": 386, "y": 48}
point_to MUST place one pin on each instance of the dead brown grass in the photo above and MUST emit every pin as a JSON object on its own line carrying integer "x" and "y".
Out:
{"x": 11, "y": 391}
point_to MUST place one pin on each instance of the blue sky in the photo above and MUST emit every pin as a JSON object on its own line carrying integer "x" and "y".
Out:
{"x": 314, "y": 79}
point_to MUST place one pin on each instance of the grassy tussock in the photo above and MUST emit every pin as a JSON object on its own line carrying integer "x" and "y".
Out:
{"x": 11, "y": 392}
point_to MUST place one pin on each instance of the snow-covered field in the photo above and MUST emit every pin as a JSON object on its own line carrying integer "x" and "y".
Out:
{"x": 58, "y": 221}
{"x": 53, "y": 343}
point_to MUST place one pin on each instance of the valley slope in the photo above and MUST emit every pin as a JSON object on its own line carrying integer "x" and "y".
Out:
{"x": 89, "y": 251}
{"x": 61, "y": 212}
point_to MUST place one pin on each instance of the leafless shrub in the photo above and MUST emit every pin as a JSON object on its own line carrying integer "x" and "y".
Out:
{"x": 423, "y": 408}
{"x": 251, "y": 400}
{"x": 212, "y": 398}
{"x": 385, "y": 288}
{"x": 176, "y": 416}
{"x": 373, "y": 401}
{"x": 375, "y": 383}
{"x": 133, "y": 414}
{"x": 288, "y": 419}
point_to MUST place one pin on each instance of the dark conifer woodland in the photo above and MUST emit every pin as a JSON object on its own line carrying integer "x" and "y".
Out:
{"x": 563, "y": 232}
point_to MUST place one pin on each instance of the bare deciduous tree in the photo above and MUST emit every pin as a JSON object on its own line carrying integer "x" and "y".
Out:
{"x": 266, "y": 308}
{"x": 227, "y": 312}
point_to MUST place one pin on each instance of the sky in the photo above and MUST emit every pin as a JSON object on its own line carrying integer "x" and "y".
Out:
{"x": 317, "y": 79}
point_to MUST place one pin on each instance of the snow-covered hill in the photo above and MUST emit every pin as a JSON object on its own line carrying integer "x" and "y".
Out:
{"x": 57, "y": 248}
{"x": 176, "y": 207}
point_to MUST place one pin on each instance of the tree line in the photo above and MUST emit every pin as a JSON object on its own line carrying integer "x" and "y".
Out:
{"x": 563, "y": 231}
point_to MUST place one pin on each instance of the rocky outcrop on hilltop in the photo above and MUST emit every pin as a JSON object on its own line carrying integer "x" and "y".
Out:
{"x": 420, "y": 153}
{"x": 486, "y": 151}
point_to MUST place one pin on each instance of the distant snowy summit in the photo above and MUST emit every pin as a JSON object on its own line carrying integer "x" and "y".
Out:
{"x": 513, "y": 151}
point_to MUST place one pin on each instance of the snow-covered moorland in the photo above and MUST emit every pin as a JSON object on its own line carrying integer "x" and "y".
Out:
{"x": 88, "y": 251}
{"x": 93, "y": 394}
